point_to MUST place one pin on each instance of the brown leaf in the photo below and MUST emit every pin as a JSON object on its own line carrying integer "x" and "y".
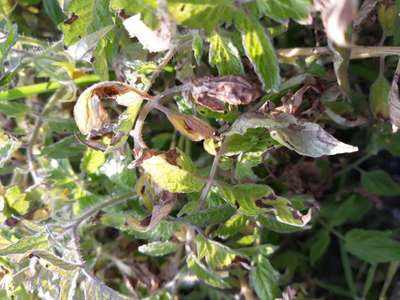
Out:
{"x": 192, "y": 127}
{"x": 394, "y": 100}
{"x": 336, "y": 16}
{"x": 214, "y": 92}
{"x": 89, "y": 113}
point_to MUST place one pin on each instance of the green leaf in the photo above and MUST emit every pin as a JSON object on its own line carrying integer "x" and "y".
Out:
{"x": 54, "y": 260}
{"x": 264, "y": 279}
{"x": 271, "y": 223}
{"x": 16, "y": 200}
{"x": 379, "y": 97}
{"x": 8, "y": 41}
{"x": 26, "y": 244}
{"x": 373, "y": 246}
{"x": 92, "y": 160}
{"x": 224, "y": 55}
{"x": 210, "y": 277}
{"x": 245, "y": 164}
{"x": 216, "y": 254}
{"x": 298, "y": 10}
{"x": 260, "y": 51}
{"x": 197, "y": 46}
{"x": 210, "y": 216}
{"x": 170, "y": 177}
{"x": 246, "y": 196}
{"x": 8, "y": 145}
{"x": 232, "y": 226}
{"x": 319, "y": 245}
{"x": 158, "y": 248}
{"x": 54, "y": 11}
{"x": 387, "y": 18}
{"x": 207, "y": 14}
{"x": 67, "y": 147}
{"x": 380, "y": 183}
{"x": 352, "y": 209}
{"x": 13, "y": 109}
{"x": 92, "y": 16}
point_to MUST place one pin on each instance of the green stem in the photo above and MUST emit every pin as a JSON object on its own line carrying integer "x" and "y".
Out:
{"x": 393, "y": 266}
{"x": 354, "y": 164}
{"x": 41, "y": 88}
{"x": 347, "y": 270}
{"x": 369, "y": 281}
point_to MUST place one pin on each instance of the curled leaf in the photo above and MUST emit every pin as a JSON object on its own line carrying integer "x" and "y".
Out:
{"x": 214, "y": 92}
{"x": 305, "y": 138}
{"x": 336, "y": 16}
{"x": 89, "y": 112}
{"x": 154, "y": 41}
{"x": 193, "y": 128}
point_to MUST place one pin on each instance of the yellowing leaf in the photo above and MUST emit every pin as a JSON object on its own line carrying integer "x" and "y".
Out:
{"x": 170, "y": 177}
{"x": 191, "y": 127}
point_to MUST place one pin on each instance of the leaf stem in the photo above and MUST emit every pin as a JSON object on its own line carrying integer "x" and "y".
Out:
{"x": 347, "y": 270}
{"x": 393, "y": 266}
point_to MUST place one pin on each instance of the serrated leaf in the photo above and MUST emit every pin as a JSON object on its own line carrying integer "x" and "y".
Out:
{"x": 351, "y": 209}
{"x": 26, "y": 244}
{"x": 170, "y": 177}
{"x": 210, "y": 277}
{"x": 224, "y": 55}
{"x": 55, "y": 260}
{"x": 373, "y": 246}
{"x": 216, "y": 254}
{"x": 158, "y": 248}
{"x": 264, "y": 279}
{"x": 380, "y": 183}
{"x": 92, "y": 160}
{"x": 260, "y": 51}
{"x": 232, "y": 226}
{"x": 64, "y": 148}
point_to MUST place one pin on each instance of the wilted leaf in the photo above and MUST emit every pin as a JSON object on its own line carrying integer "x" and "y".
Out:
{"x": 154, "y": 41}
{"x": 264, "y": 279}
{"x": 372, "y": 246}
{"x": 192, "y": 127}
{"x": 303, "y": 137}
{"x": 54, "y": 260}
{"x": 158, "y": 248}
{"x": 394, "y": 100}
{"x": 89, "y": 112}
{"x": 210, "y": 277}
{"x": 224, "y": 55}
{"x": 16, "y": 200}
{"x": 336, "y": 16}
{"x": 214, "y": 92}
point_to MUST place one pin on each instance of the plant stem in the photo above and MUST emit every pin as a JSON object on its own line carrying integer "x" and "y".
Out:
{"x": 41, "y": 88}
{"x": 354, "y": 164}
{"x": 347, "y": 270}
{"x": 393, "y": 266}
{"x": 369, "y": 281}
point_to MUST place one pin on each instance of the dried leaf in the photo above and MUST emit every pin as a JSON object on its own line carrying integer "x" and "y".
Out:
{"x": 89, "y": 113}
{"x": 154, "y": 41}
{"x": 193, "y": 128}
{"x": 336, "y": 16}
{"x": 394, "y": 100}
{"x": 214, "y": 92}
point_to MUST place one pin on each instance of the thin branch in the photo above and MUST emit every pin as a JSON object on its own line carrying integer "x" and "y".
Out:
{"x": 210, "y": 179}
{"x": 357, "y": 52}
{"x": 95, "y": 209}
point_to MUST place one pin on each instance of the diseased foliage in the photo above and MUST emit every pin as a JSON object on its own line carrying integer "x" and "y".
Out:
{"x": 199, "y": 149}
